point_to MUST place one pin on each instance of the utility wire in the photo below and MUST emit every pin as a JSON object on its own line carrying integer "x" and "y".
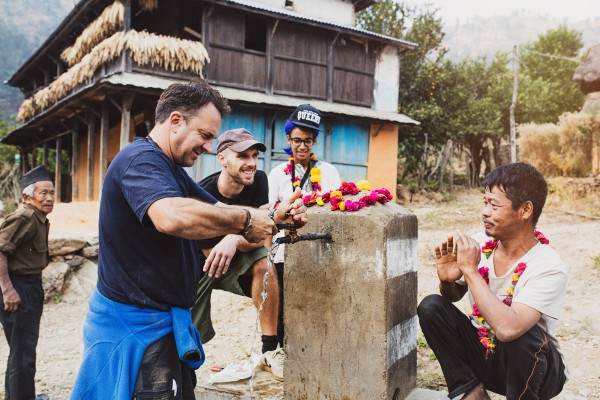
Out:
{"x": 553, "y": 56}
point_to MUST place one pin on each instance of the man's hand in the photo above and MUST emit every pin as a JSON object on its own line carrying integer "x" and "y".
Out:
{"x": 445, "y": 257}
{"x": 294, "y": 205}
{"x": 262, "y": 226}
{"x": 12, "y": 300}
{"x": 220, "y": 256}
{"x": 469, "y": 253}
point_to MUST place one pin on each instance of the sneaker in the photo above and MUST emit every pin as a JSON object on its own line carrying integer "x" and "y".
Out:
{"x": 272, "y": 361}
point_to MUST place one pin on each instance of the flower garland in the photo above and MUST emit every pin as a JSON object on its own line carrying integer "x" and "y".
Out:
{"x": 486, "y": 336}
{"x": 315, "y": 174}
{"x": 336, "y": 197}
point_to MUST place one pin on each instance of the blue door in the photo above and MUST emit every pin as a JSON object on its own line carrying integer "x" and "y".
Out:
{"x": 348, "y": 146}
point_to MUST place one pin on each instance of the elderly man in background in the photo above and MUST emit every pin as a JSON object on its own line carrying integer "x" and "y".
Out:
{"x": 23, "y": 256}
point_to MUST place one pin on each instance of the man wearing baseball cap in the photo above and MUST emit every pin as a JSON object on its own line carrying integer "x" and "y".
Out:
{"x": 302, "y": 170}
{"x": 232, "y": 263}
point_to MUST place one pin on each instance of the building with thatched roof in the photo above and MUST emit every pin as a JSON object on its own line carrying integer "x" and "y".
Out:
{"x": 93, "y": 84}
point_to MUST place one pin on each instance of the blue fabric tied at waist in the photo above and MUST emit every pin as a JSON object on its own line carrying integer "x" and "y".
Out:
{"x": 116, "y": 336}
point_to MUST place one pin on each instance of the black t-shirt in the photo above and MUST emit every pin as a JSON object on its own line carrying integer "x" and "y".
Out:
{"x": 254, "y": 196}
{"x": 136, "y": 263}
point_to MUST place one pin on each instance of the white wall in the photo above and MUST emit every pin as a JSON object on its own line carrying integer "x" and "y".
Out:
{"x": 336, "y": 11}
{"x": 387, "y": 80}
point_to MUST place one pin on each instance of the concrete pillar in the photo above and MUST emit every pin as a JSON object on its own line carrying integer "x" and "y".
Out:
{"x": 350, "y": 306}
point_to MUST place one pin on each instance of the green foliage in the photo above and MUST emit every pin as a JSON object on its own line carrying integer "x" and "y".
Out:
{"x": 546, "y": 85}
{"x": 596, "y": 261}
{"x": 422, "y": 73}
{"x": 7, "y": 153}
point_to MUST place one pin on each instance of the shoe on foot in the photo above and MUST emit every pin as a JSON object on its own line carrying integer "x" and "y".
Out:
{"x": 272, "y": 361}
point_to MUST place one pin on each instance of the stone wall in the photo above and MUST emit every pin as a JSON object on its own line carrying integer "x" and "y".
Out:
{"x": 72, "y": 273}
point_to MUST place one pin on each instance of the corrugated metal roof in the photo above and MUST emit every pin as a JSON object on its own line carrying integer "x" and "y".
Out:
{"x": 282, "y": 11}
{"x": 155, "y": 82}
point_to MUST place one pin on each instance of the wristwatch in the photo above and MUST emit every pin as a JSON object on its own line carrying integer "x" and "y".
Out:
{"x": 271, "y": 214}
{"x": 248, "y": 223}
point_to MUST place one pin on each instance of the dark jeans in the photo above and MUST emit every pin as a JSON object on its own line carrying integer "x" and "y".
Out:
{"x": 280, "y": 327}
{"x": 162, "y": 376}
{"x": 22, "y": 329}
{"x": 529, "y": 367}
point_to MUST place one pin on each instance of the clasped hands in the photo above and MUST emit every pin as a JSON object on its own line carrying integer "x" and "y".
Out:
{"x": 459, "y": 255}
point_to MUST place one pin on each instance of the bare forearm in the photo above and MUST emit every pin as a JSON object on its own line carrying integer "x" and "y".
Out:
{"x": 5, "y": 282}
{"x": 497, "y": 315}
{"x": 245, "y": 246}
{"x": 452, "y": 291}
{"x": 193, "y": 219}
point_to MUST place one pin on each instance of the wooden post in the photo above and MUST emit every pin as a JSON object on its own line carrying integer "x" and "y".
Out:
{"x": 445, "y": 156}
{"x": 34, "y": 156}
{"x": 104, "y": 124}
{"x": 513, "y": 104}
{"x": 126, "y": 118}
{"x": 24, "y": 163}
{"x": 45, "y": 154}
{"x": 57, "y": 170}
{"x": 75, "y": 161}
{"x": 90, "y": 157}
{"x": 423, "y": 163}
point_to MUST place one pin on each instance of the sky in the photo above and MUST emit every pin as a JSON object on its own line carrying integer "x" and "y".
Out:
{"x": 462, "y": 10}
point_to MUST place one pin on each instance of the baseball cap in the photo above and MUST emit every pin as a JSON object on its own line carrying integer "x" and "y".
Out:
{"x": 238, "y": 140}
{"x": 307, "y": 116}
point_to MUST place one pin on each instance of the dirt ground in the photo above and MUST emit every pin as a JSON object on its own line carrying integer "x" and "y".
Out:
{"x": 574, "y": 237}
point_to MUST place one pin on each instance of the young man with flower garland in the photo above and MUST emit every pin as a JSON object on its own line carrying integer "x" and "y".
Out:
{"x": 508, "y": 344}
{"x": 232, "y": 263}
{"x": 302, "y": 170}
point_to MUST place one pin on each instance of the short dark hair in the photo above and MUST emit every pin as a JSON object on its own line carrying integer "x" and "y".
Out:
{"x": 520, "y": 182}
{"x": 188, "y": 98}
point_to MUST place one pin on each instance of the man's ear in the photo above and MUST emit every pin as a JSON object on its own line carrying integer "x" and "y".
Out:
{"x": 221, "y": 159}
{"x": 176, "y": 119}
{"x": 527, "y": 210}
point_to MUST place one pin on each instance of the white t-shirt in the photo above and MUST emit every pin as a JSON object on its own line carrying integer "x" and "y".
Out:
{"x": 280, "y": 186}
{"x": 542, "y": 286}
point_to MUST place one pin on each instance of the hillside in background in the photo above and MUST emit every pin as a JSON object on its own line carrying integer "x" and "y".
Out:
{"x": 485, "y": 36}
{"x": 24, "y": 26}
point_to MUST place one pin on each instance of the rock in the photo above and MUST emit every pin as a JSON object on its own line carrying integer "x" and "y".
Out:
{"x": 59, "y": 247}
{"x": 53, "y": 279}
{"x": 81, "y": 283}
{"x": 57, "y": 259}
{"x": 403, "y": 195}
{"x": 90, "y": 252}
{"x": 587, "y": 74}
{"x": 75, "y": 261}
{"x": 92, "y": 240}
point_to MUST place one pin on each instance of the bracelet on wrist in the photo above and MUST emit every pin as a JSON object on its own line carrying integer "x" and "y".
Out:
{"x": 248, "y": 224}
{"x": 271, "y": 214}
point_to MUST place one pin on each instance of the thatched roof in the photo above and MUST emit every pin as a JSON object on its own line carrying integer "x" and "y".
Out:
{"x": 145, "y": 48}
{"x": 110, "y": 21}
{"x": 148, "y": 5}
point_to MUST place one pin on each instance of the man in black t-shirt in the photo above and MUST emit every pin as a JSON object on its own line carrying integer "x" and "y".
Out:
{"x": 232, "y": 263}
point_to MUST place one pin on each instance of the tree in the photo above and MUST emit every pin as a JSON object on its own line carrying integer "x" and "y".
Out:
{"x": 546, "y": 81}
{"x": 421, "y": 72}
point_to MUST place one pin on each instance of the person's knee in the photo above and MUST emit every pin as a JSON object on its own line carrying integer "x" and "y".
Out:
{"x": 259, "y": 267}
{"x": 429, "y": 306}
